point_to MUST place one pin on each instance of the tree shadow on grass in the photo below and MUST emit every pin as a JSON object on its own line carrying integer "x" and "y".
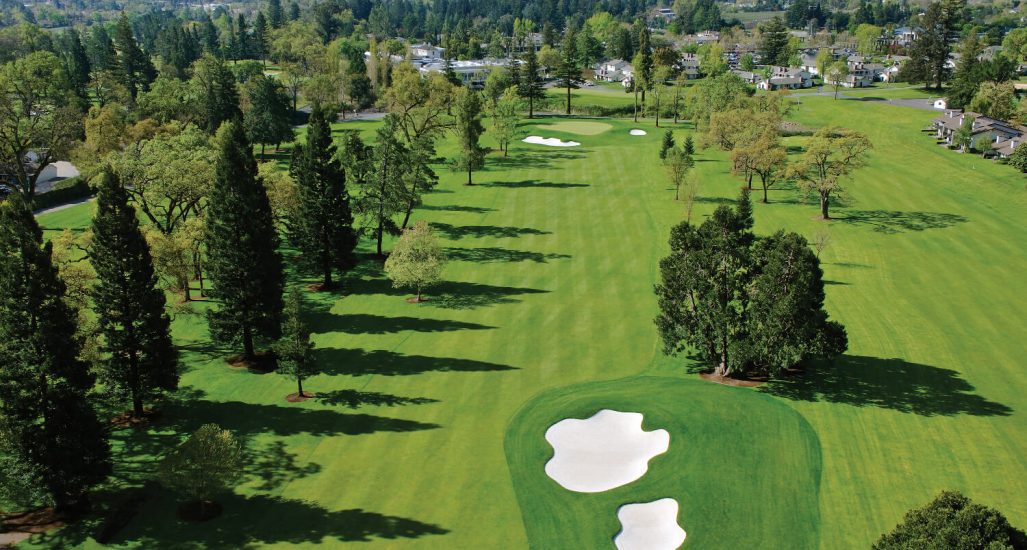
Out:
{"x": 247, "y": 419}
{"x": 360, "y": 362}
{"x": 500, "y": 254}
{"x": 889, "y": 384}
{"x": 458, "y": 295}
{"x": 360, "y": 323}
{"x": 887, "y": 221}
{"x": 532, "y": 183}
{"x": 477, "y": 231}
{"x": 456, "y": 208}
{"x": 274, "y": 466}
{"x": 355, "y": 398}
{"x": 535, "y": 159}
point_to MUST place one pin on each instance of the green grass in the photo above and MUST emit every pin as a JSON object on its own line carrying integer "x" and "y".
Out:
{"x": 579, "y": 127}
{"x": 549, "y": 298}
{"x": 709, "y": 450}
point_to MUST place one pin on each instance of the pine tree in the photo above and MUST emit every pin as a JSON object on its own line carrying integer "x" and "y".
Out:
{"x": 219, "y": 98}
{"x": 645, "y": 67}
{"x": 689, "y": 145}
{"x": 52, "y": 429}
{"x": 244, "y": 265}
{"x": 76, "y": 61}
{"x": 268, "y": 118}
{"x": 530, "y": 83}
{"x": 570, "y": 71}
{"x": 380, "y": 175}
{"x": 322, "y": 227}
{"x": 140, "y": 358}
{"x": 136, "y": 68}
{"x": 275, "y": 16}
{"x": 295, "y": 359}
{"x": 667, "y": 144}
{"x": 468, "y": 129}
{"x": 261, "y": 40}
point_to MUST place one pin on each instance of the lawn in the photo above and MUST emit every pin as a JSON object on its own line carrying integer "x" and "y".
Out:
{"x": 423, "y": 435}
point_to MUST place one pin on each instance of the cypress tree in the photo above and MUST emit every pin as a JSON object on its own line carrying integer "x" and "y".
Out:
{"x": 322, "y": 228}
{"x": 244, "y": 265}
{"x": 275, "y": 15}
{"x": 136, "y": 69}
{"x": 53, "y": 430}
{"x": 140, "y": 358}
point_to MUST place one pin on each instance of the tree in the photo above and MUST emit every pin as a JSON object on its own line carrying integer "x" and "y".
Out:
{"x": 713, "y": 95}
{"x": 678, "y": 164}
{"x": 208, "y": 463}
{"x": 38, "y": 122}
{"x": 218, "y": 97}
{"x": 419, "y": 104}
{"x": 267, "y": 119}
{"x": 469, "y": 129}
{"x": 953, "y": 521}
{"x": 995, "y": 100}
{"x": 963, "y": 136}
{"x": 667, "y": 144}
{"x": 768, "y": 159}
{"x": 867, "y": 37}
{"x": 747, "y": 63}
{"x": 244, "y": 265}
{"x": 275, "y": 15}
{"x": 702, "y": 281}
{"x": 419, "y": 177}
{"x": 505, "y": 120}
{"x": 1018, "y": 159}
{"x": 929, "y": 53}
{"x": 379, "y": 173}
{"x": 689, "y": 146}
{"x": 774, "y": 45}
{"x": 416, "y": 260}
{"x": 785, "y": 313}
{"x": 1014, "y": 44}
{"x": 837, "y": 72}
{"x": 294, "y": 349}
{"x": 46, "y": 421}
{"x": 530, "y": 88}
{"x": 645, "y": 64}
{"x": 139, "y": 359}
{"x": 136, "y": 69}
{"x": 824, "y": 60}
{"x": 831, "y": 154}
{"x": 322, "y": 225}
{"x": 570, "y": 69}
{"x": 713, "y": 62}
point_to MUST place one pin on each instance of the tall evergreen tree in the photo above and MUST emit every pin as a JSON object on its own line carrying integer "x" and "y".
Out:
{"x": 530, "y": 87}
{"x": 570, "y": 70}
{"x": 100, "y": 48}
{"x": 136, "y": 68}
{"x": 242, "y": 244}
{"x": 275, "y": 15}
{"x": 51, "y": 428}
{"x": 774, "y": 47}
{"x": 322, "y": 227}
{"x": 295, "y": 359}
{"x": 469, "y": 129}
{"x": 219, "y": 98}
{"x": 380, "y": 175}
{"x": 140, "y": 358}
{"x": 645, "y": 67}
{"x": 268, "y": 118}
{"x": 261, "y": 39}
{"x": 76, "y": 60}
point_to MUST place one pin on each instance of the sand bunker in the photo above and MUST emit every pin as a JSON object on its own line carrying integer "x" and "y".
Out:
{"x": 637, "y": 132}
{"x": 608, "y": 450}
{"x": 649, "y": 526}
{"x": 552, "y": 142}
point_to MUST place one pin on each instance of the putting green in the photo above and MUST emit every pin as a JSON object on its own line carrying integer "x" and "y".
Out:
{"x": 579, "y": 127}
{"x": 718, "y": 468}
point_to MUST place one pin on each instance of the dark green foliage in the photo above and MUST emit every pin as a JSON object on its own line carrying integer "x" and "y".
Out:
{"x": 219, "y": 98}
{"x": 76, "y": 61}
{"x": 268, "y": 118}
{"x": 667, "y": 144}
{"x": 322, "y": 227}
{"x": 294, "y": 349}
{"x": 379, "y": 173}
{"x": 774, "y": 48}
{"x": 46, "y": 421}
{"x": 530, "y": 86}
{"x": 275, "y": 15}
{"x": 243, "y": 262}
{"x": 420, "y": 178}
{"x": 689, "y": 145}
{"x": 101, "y": 52}
{"x": 140, "y": 360}
{"x": 952, "y": 521}
{"x": 971, "y": 72}
{"x": 469, "y": 129}
{"x": 929, "y": 53}
{"x": 1018, "y": 159}
{"x": 570, "y": 70}
{"x": 745, "y": 305}
{"x": 136, "y": 69}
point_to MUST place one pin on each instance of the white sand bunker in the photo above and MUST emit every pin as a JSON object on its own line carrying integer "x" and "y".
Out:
{"x": 637, "y": 132}
{"x": 649, "y": 526}
{"x": 552, "y": 142}
{"x": 608, "y": 450}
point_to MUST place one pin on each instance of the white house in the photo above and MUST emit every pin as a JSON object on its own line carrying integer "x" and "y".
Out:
{"x": 614, "y": 70}
{"x": 426, "y": 52}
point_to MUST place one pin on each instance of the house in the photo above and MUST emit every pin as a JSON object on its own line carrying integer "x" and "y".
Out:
{"x": 426, "y": 52}
{"x": 856, "y": 81}
{"x": 689, "y": 65}
{"x": 985, "y": 132}
{"x": 614, "y": 70}
{"x": 903, "y": 36}
{"x": 780, "y": 83}
{"x": 859, "y": 66}
{"x": 805, "y": 78}
{"x": 472, "y": 73}
{"x": 666, "y": 13}
{"x": 748, "y": 77}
